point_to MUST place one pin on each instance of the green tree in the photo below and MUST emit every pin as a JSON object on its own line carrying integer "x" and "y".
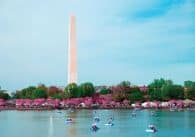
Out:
{"x": 4, "y": 95}
{"x": 125, "y": 84}
{"x": 172, "y": 92}
{"x": 190, "y": 93}
{"x": 155, "y": 94}
{"x": 189, "y": 84}
{"x": 39, "y": 93}
{"x": 72, "y": 88}
{"x": 66, "y": 94}
{"x": 86, "y": 89}
{"x": 161, "y": 89}
{"x": 25, "y": 93}
{"x": 157, "y": 83}
{"x": 154, "y": 90}
{"x": 42, "y": 87}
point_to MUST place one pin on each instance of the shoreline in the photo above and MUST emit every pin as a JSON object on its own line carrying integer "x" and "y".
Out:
{"x": 103, "y": 108}
{"x": 103, "y": 102}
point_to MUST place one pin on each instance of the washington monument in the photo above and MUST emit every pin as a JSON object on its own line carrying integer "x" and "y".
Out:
{"x": 72, "y": 51}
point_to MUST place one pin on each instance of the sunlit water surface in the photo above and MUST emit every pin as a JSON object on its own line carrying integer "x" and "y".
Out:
{"x": 52, "y": 124}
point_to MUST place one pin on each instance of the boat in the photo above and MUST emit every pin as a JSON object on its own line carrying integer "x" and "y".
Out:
{"x": 97, "y": 119}
{"x": 59, "y": 112}
{"x": 94, "y": 127}
{"x": 150, "y": 131}
{"x": 69, "y": 120}
{"x": 109, "y": 124}
{"x": 133, "y": 114}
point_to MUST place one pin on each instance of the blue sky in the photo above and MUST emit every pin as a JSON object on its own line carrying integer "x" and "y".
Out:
{"x": 131, "y": 40}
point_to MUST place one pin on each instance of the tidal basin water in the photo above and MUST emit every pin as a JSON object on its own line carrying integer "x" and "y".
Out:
{"x": 52, "y": 124}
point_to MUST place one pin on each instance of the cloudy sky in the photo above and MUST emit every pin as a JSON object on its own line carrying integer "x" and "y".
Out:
{"x": 135, "y": 40}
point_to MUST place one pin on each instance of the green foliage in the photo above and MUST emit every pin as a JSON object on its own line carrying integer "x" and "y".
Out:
{"x": 86, "y": 89}
{"x": 39, "y": 93}
{"x": 57, "y": 96}
{"x": 189, "y": 84}
{"x": 66, "y": 95}
{"x": 190, "y": 93}
{"x": 25, "y": 93}
{"x": 4, "y": 95}
{"x": 172, "y": 92}
{"x": 125, "y": 84}
{"x": 136, "y": 95}
{"x": 72, "y": 88}
{"x": 161, "y": 89}
{"x": 105, "y": 91}
{"x": 157, "y": 83}
{"x": 155, "y": 94}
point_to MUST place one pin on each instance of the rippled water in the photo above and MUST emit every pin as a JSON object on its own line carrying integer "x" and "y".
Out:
{"x": 52, "y": 124}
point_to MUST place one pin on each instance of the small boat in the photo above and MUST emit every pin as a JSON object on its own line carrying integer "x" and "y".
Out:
{"x": 97, "y": 119}
{"x": 69, "y": 120}
{"x": 59, "y": 112}
{"x": 152, "y": 113}
{"x": 133, "y": 114}
{"x": 151, "y": 129}
{"x": 109, "y": 124}
{"x": 94, "y": 127}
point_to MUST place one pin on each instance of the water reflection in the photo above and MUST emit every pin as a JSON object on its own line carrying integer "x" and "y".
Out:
{"x": 71, "y": 127}
{"x": 50, "y": 134}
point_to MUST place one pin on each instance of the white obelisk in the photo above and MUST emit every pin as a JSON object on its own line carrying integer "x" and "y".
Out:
{"x": 72, "y": 51}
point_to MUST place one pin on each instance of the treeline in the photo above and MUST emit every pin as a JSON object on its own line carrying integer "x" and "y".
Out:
{"x": 159, "y": 89}
{"x": 41, "y": 91}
